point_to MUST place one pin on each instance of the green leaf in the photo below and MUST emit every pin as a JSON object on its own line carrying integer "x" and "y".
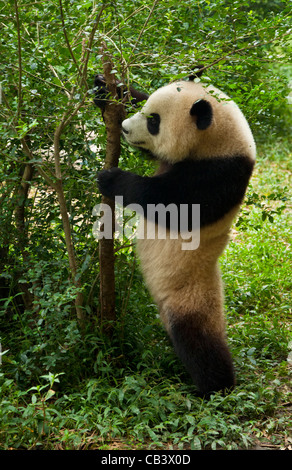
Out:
{"x": 50, "y": 393}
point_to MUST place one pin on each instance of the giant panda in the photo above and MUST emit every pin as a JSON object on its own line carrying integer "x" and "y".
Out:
{"x": 207, "y": 153}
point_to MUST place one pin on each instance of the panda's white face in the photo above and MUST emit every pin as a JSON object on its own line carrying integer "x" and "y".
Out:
{"x": 186, "y": 120}
{"x": 161, "y": 125}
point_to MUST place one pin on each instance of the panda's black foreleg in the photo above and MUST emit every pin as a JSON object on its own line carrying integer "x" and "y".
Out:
{"x": 206, "y": 356}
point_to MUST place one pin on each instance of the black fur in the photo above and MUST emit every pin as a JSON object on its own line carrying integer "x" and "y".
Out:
{"x": 197, "y": 73}
{"x": 101, "y": 94}
{"x": 217, "y": 184}
{"x": 153, "y": 123}
{"x": 206, "y": 357}
{"x": 203, "y": 112}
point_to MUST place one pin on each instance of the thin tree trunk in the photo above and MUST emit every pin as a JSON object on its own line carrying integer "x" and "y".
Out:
{"x": 113, "y": 115}
{"x": 67, "y": 229}
{"x": 22, "y": 237}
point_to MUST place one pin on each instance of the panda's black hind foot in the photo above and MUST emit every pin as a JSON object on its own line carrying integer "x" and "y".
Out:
{"x": 205, "y": 356}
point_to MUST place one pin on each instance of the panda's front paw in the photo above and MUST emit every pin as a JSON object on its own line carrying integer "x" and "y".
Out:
{"x": 107, "y": 181}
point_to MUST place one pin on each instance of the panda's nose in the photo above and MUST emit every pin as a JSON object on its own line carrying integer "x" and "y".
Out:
{"x": 125, "y": 130}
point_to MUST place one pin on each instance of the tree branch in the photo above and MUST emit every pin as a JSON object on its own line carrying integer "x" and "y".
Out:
{"x": 19, "y": 104}
{"x": 66, "y": 37}
{"x": 242, "y": 49}
{"x": 143, "y": 29}
{"x": 114, "y": 113}
{"x": 65, "y": 121}
{"x": 87, "y": 50}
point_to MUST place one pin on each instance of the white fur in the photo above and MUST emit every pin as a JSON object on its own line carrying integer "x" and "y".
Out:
{"x": 229, "y": 133}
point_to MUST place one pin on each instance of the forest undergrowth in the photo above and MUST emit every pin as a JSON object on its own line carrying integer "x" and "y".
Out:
{"x": 61, "y": 389}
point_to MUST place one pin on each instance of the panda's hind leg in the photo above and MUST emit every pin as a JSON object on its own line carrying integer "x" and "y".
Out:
{"x": 205, "y": 355}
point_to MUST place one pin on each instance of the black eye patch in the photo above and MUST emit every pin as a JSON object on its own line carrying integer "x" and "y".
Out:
{"x": 153, "y": 122}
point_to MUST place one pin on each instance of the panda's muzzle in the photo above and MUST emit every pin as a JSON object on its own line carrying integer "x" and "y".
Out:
{"x": 125, "y": 133}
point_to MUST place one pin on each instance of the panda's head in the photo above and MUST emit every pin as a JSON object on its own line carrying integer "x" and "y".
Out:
{"x": 187, "y": 120}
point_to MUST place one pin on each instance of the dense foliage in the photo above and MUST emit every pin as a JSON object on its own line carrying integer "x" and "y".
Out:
{"x": 52, "y": 146}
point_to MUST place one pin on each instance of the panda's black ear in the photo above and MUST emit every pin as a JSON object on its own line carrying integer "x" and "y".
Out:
{"x": 197, "y": 73}
{"x": 202, "y": 109}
